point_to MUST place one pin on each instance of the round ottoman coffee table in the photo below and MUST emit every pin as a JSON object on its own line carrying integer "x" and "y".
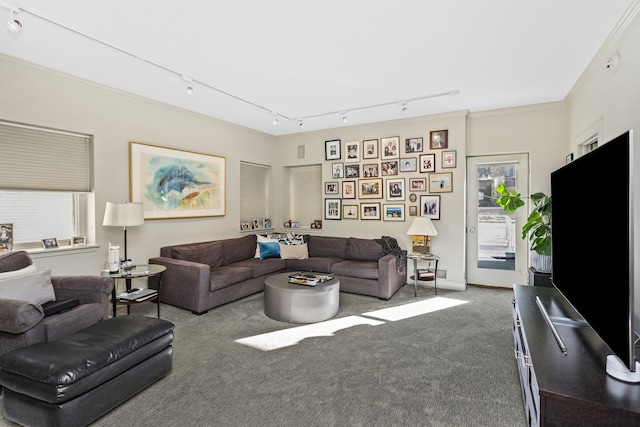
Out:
{"x": 288, "y": 302}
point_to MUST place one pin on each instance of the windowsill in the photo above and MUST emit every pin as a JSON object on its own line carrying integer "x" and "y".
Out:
{"x": 63, "y": 250}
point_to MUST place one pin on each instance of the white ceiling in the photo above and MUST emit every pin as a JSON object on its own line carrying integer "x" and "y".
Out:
{"x": 302, "y": 59}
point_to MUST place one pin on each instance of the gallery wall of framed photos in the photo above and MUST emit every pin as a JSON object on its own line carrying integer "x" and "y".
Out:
{"x": 389, "y": 178}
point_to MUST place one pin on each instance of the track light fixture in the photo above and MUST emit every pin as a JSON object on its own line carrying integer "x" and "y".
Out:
{"x": 345, "y": 119}
{"x": 275, "y": 119}
{"x": 301, "y": 124}
{"x": 189, "y": 84}
{"x": 405, "y": 108}
{"x": 14, "y": 25}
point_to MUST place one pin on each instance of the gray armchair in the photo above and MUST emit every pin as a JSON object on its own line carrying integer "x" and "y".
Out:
{"x": 23, "y": 322}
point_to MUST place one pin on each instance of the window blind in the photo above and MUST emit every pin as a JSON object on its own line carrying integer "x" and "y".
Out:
{"x": 254, "y": 191}
{"x": 33, "y": 158}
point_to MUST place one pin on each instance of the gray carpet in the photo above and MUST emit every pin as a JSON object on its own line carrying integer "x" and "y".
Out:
{"x": 453, "y": 367}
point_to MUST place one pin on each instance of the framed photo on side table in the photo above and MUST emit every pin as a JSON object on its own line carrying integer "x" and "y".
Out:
{"x": 332, "y": 208}
{"x": 332, "y": 150}
{"x": 6, "y": 237}
{"x": 50, "y": 243}
{"x": 78, "y": 241}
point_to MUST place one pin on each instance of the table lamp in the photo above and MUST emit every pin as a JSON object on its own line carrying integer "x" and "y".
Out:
{"x": 421, "y": 231}
{"x": 123, "y": 215}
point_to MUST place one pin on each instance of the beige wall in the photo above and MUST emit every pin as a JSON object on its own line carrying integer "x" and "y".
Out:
{"x": 547, "y": 132}
{"x": 36, "y": 96}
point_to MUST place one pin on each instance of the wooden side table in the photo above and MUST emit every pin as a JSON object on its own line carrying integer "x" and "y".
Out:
{"x": 430, "y": 259}
{"x": 137, "y": 272}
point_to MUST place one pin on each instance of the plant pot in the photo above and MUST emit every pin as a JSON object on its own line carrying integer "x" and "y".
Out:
{"x": 541, "y": 263}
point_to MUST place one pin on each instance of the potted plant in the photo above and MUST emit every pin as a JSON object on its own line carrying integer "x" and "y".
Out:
{"x": 537, "y": 227}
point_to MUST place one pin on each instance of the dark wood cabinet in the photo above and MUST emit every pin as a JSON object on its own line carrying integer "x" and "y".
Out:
{"x": 571, "y": 389}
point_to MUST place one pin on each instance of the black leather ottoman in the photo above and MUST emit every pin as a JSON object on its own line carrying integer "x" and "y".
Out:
{"x": 73, "y": 381}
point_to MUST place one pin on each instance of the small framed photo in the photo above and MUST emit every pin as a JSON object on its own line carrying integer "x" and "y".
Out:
{"x": 395, "y": 189}
{"x": 6, "y": 237}
{"x": 78, "y": 240}
{"x": 413, "y": 210}
{"x": 244, "y": 225}
{"x": 413, "y": 197}
{"x": 413, "y": 145}
{"x": 330, "y": 188}
{"x": 393, "y": 212}
{"x": 348, "y": 189}
{"x": 569, "y": 158}
{"x": 295, "y": 224}
{"x": 50, "y": 243}
{"x": 430, "y": 206}
{"x": 352, "y": 171}
{"x": 449, "y": 159}
{"x": 370, "y": 149}
{"x": 349, "y": 211}
{"x": 352, "y": 150}
{"x": 390, "y": 147}
{"x": 370, "y": 188}
{"x": 332, "y": 150}
{"x": 332, "y": 208}
{"x": 337, "y": 170}
{"x": 408, "y": 164}
{"x": 266, "y": 223}
{"x": 370, "y": 170}
{"x": 440, "y": 182}
{"x": 417, "y": 184}
{"x": 427, "y": 163}
{"x": 389, "y": 168}
{"x": 439, "y": 139}
{"x": 255, "y": 224}
{"x": 370, "y": 211}
{"x": 316, "y": 224}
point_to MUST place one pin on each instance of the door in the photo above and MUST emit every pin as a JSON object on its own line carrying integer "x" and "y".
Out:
{"x": 496, "y": 253}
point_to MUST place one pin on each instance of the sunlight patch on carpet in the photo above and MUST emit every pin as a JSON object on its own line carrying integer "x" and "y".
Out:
{"x": 413, "y": 309}
{"x": 292, "y": 336}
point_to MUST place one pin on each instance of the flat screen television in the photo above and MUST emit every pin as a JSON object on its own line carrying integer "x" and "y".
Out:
{"x": 594, "y": 245}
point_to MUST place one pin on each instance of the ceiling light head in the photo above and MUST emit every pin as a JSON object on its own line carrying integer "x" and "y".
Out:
{"x": 344, "y": 117}
{"x": 405, "y": 108}
{"x": 301, "y": 124}
{"x": 275, "y": 119}
{"x": 14, "y": 25}
{"x": 612, "y": 63}
{"x": 189, "y": 84}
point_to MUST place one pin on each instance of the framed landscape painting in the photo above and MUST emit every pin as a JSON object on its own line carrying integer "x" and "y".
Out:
{"x": 172, "y": 183}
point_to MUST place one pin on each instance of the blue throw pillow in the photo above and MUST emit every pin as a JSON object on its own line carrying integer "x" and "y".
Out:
{"x": 269, "y": 250}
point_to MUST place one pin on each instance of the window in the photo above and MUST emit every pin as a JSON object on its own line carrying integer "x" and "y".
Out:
{"x": 254, "y": 197}
{"x": 45, "y": 182}
{"x": 305, "y": 190}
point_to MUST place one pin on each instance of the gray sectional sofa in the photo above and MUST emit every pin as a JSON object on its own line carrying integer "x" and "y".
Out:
{"x": 201, "y": 276}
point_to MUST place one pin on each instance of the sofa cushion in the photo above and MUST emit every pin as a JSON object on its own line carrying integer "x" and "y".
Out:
{"x": 225, "y": 276}
{"x": 35, "y": 287}
{"x": 14, "y": 260}
{"x": 209, "y": 253}
{"x": 319, "y": 264}
{"x": 263, "y": 239}
{"x": 327, "y": 247}
{"x": 30, "y": 269}
{"x": 363, "y": 250}
{"x": 239, "y": 248}
{"x": 269, "y": 250}
{"x": 294, "y": 251}
{"x": 262, "y": 267}
{"x": 357, "y": 269}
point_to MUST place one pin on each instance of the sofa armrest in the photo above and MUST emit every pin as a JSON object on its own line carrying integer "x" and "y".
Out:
{"x": 389, "y": 280}
{"x": 18, "y": 316}
{"x": 184, "y": 283}
{"x": 87, "y": 289}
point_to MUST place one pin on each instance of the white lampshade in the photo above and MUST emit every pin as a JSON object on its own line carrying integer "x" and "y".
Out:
{"x": 123, "y": 214}
{"x": 422, "y": 226}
